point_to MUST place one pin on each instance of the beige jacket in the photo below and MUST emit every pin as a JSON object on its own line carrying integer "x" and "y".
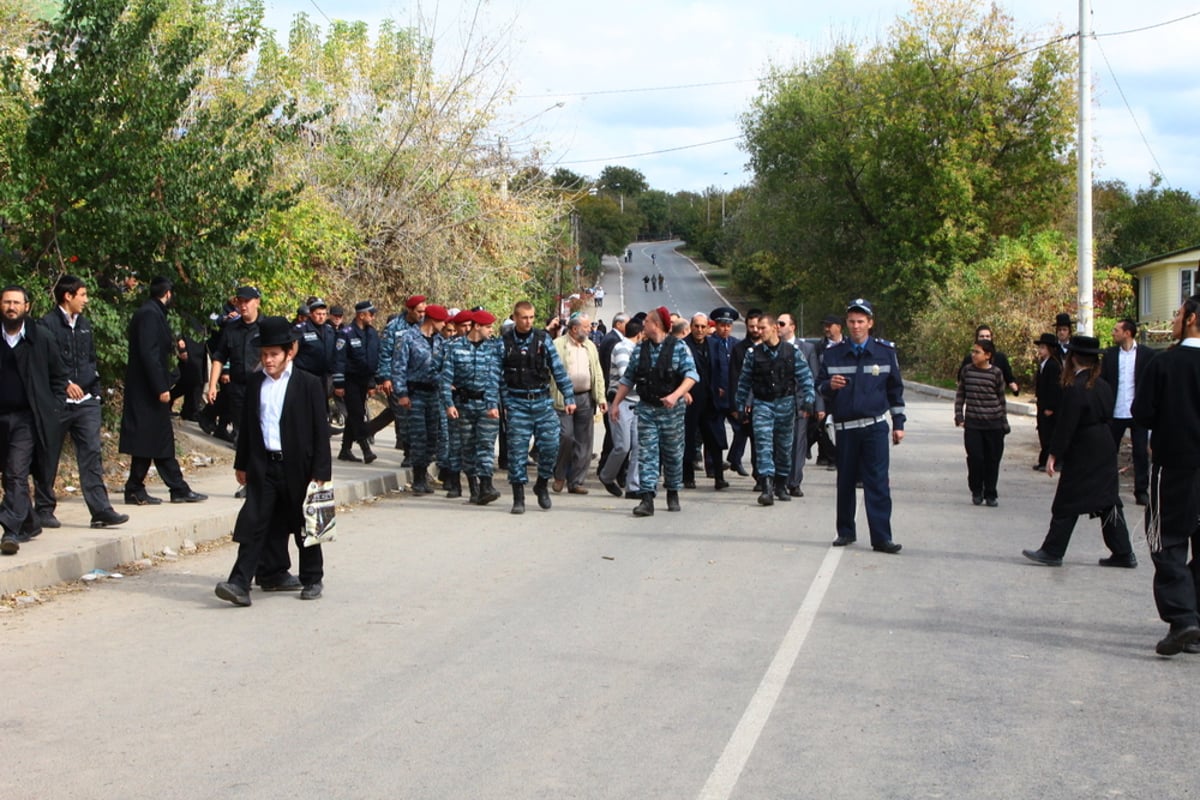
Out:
{"x": 597, "y": 391}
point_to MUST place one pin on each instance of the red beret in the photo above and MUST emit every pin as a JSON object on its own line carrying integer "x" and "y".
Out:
{"x": 665, "y": 316}
{"x": 437, "y": 313}
{"x": 466, "y": 315}
{"x": 414, "y": 301}
{"x": 482, "y": 317}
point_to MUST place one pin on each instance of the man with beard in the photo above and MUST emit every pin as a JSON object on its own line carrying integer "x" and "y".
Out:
{"x": 33, "y": 381}
{"x": 146, "y": 431}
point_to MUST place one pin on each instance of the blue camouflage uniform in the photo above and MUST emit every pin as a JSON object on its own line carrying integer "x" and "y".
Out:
{"x": 416, "y": 374}
{"x": 660, "y": 429}
{"x": 527, "y": 364}
{"x": 860, "y": 412}
{"x": 471, "y": 384}
{"x": 773, "y": 377}
{"x": 389, "y": 340}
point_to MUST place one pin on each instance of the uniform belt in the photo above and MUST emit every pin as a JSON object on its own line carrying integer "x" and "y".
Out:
{"x": 422, "y": 387}
{"x": 865, "y": 422}
{"x": 468, "y": 394}
{"x": 528, "y": 393}
{"x": 275, "y": 455}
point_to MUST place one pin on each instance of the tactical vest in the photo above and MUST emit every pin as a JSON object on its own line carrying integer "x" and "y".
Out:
{"x": 525, "y": 366}
{"x": 774, "y": 378}
{"x": 656, "y": 381}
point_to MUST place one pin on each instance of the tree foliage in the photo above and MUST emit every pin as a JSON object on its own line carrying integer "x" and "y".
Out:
{"x": 1135, "y": 228}
{"x": 882, "y": 171}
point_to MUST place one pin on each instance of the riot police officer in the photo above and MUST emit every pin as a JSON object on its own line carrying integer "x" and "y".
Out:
{"x": 356, "y": 357}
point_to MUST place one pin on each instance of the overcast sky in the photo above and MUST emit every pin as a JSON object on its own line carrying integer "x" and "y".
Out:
{"x": 591, "y": 57}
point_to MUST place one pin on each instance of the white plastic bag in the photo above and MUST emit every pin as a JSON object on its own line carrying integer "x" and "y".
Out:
{"x": 320, "y": 524}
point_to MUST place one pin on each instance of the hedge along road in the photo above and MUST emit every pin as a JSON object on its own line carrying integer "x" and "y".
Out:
{"x": 725, "y": 651}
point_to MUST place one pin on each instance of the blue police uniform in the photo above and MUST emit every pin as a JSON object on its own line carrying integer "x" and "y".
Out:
{"x": 528, "y": 362}
{"x": 416, "y": 374}
{"x": 356, "y": 356}
{"x": 471, "y": 385}
{"x": 660, "y": 429}
{"x": 771, "y": 380}
{"x": 860, "y": 411}
{"x": 317, "y": 348}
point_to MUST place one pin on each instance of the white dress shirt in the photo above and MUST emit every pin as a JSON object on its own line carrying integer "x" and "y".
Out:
{"x": 1126, "y": 359}
{"x": 270, "y": 407}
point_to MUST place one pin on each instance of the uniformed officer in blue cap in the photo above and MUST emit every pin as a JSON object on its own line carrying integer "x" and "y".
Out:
{"x": 860, "y": 380}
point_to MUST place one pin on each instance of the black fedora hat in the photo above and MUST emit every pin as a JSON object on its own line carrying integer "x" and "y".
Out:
{"x": 276, "y": 332}
{"x": 1063, "y": 321}
{"x": 1084, "y": 345}
{"x": 1048, "y": 339}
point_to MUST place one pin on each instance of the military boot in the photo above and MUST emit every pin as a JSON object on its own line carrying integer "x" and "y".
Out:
{"x": 672, "y": 500}
{"x": 453, "y": 484}
{"x": 543, "y": 493}
{"x": 767, "y": 498}
{"x": 420, "y": 484}
{"x": 473, "y": 488}
{"x": 646, "y": 507}
{"x": 487, "y": 492}
{"x": 518, "y": 490}
{"x": 781, "y": 490}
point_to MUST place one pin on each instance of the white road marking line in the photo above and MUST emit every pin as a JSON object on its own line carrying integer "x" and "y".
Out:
{"x": 725, "y": 774}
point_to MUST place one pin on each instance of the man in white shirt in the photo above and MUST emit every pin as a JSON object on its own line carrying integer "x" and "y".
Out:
{"x": 1122, "y": 368}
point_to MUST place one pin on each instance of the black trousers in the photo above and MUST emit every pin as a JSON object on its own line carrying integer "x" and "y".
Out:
{"x": 356, "y": 413}
{"x": 82, "y": 422}
{"x": 1140, "y": 437}
{"x": 169, "y": 472}
{"x": 1112, "y": 525}
{"x": 1175, "y": 505}
{"x": 262, "y": 535}
{"x": 1045, "y": 432}
{"x": 984, "y": 448}
{"x": 16, "y": 448}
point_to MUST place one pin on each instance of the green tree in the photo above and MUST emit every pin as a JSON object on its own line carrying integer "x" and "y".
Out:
{"x": 604, "y": 228}
{"x": 1152, "y": 222}
{"x": 619, "y": 180}
{"x": 883, "y": 171}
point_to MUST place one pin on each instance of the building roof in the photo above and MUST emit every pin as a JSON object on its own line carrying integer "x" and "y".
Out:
{"x": 1164, "y": 257}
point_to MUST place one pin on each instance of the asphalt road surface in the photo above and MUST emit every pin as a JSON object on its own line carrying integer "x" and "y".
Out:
{"x": 722, "y": 652}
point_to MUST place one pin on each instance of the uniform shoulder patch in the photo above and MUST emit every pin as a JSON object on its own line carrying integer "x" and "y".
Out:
{"x": 885, "y": 343}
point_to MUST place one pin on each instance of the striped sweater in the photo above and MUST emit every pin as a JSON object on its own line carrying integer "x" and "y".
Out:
{"x": 980, "y": 401}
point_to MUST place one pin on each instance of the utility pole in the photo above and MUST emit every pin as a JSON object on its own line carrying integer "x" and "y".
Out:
{"x": 1084, "y": 179}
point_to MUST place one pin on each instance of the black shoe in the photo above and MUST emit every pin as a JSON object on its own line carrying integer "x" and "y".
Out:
{"x": 107, "y": 518}
{"x": 312, "y": 591}
{"x": 472, "y": 490}
{"x": 842, "y": 541}
{"x": 767, "y": 498}
{"x": 1039, "y": 467}
{"x": 1041, "y": 557}
{"x": 9, "y": 544}
{"x": 420, "y": 484}
{"x": 992, "y": 502}
{"x": 141, "y": 499}
{"x": 233, "y": 593}
{"x": 453, "y": 485}
{"x": 1141, "y": 498}
{"x": 288, "y": 583}
{"x": 487, "y": 492}
{"x": 368, "y": 454}
{"x": 406, "y": 463}
{"x": 831, "y": 466}
{"x": 1177, "y": 639}
{"x": 739, "y": 469}
{"x": 977, "y": 499}
{"x": 646, "y": 507}
{"x": 795, "y": 491}
{"x": 240, "y": 494}
{"x": 781, "y": 489}
{"x": 1192, "y": 649}
{"x": 48, "y": 520}
{"x": 346, "y": 455}
{"x": 760, "y": 485}
{"x": 689, "y": 484}
{"x": 28, "y": 534}
{"x": 1128, "y": 562}
{"x": 720, "y": 484}
{"x": 190, "y": 497}
{"x": 543, "y": 494}
{"x": 611, "y": 488}
{"x": 518, "y": 493}
{"x": 207, "y": 425}
{"x": 891, "y": 548}
{"x": 672, "y": 500}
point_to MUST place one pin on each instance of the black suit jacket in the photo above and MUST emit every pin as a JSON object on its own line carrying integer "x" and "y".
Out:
{"x": 45, "y": 377}
{"x": 1110, "y": 366}
{"x": 1048, "y": 387}
{"x": 304, "y": 433}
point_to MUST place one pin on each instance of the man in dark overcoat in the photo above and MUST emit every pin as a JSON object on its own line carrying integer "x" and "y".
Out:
{"x": 33, "y": 383}
{"x": 146, "y": 430}
{"x": 283, "y": 443}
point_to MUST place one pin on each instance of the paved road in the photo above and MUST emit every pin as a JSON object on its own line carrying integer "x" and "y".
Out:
{"x": 723, "y": 652}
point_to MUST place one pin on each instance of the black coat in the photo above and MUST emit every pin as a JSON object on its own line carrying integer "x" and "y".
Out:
{"x": 1048, "y": 386}
{"x": 1110, "y": 366}
{"x": 146, "y": 429}
{"x": 45, "y": 377}
{"x": 1083, "y": 448}
{"x": 304, "y": 435}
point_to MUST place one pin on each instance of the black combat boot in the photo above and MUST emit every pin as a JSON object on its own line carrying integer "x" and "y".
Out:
{"x": 368, "y": 454}
{"x": 767, "y": 498}
{"x": 420, "y": 484}
{"x": 453, "y": 484}
{"x": 473, "y": 488}
{"x": 781, "y": 490}
{"x": 646, "y": 507}
{"x": 518, "y": 498}
{"x": 542, "y": 492}
{"x": 672, "y": 500}
{"x": 487, "y": 492}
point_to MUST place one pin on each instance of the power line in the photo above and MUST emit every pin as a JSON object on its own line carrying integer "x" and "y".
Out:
{"x": 653, "y": 152}
{"x": 636, "y": 90}
{"x": 1132, "y": 116}
{"x": 1148, "y": 27}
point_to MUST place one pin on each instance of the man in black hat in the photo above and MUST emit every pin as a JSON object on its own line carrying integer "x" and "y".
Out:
{"x": 356, "y": 359}
{"x": 720, "y": 390}
{"x": 235, "y": 356}
{"x": 146, "y": 430}
{"x": 1063, "y": 325}
{"x": 283, "y": 444}
{"x": 1048, "y": 387}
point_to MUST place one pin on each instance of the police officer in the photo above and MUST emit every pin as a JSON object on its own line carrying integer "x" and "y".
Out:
{"x": 318, "y": 342}
{"x": 661, "y": 367}
{"x": 860, "y": 380}
{"x": 720, "y": 390}
{"x": 236, "y": 355}
{"x": 416, "y": 376}
{"x": 389, "y": 341}
{"x": 471, "y": 395}
{"x": 356, "y": 357}
{"x": 773, "y": 375}
{"x": 528, "y": 361}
